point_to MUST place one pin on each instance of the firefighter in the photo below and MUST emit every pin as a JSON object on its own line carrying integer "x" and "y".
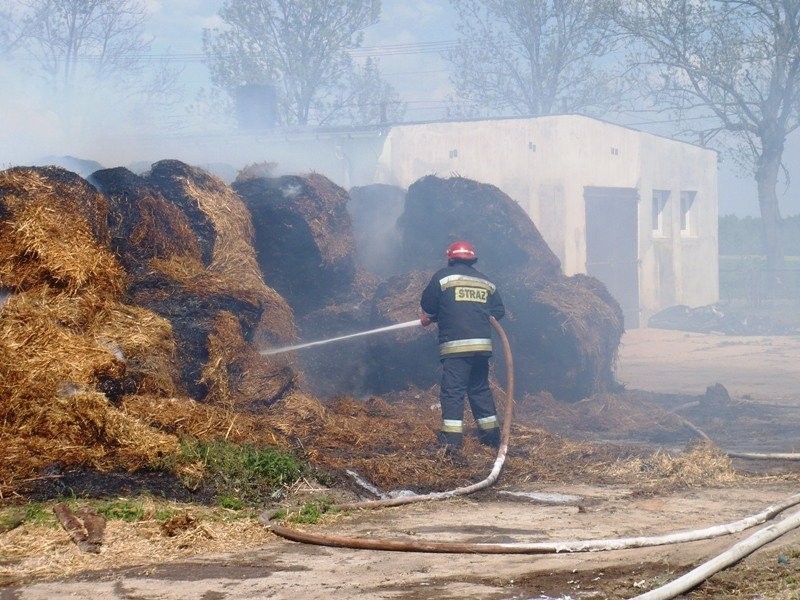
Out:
{"x": 460, "y": 299}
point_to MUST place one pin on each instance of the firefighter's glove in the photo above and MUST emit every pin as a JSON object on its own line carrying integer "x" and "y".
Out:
{"x": 425, "y": 320}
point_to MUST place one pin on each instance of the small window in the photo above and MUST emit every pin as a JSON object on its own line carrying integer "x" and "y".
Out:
{"x": 659, "y": 224}
{"x": 688, "y": 219}
{"x": 454, "y": 153}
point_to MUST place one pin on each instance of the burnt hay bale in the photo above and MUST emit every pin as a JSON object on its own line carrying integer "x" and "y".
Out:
{"x": 303, "y": 238}
{"x": 440, "y": 211}
{"x": 53, "y": 233}
{"x": 148, "y": 233}
{"x": 566, "y": 339}
{"x": 564, "y": 332}
{"x": 68, "y": 347}
{"x": 231, "y": 281}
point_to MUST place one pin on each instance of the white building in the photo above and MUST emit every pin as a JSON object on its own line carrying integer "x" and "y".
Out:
{"x": 636, "y": 210}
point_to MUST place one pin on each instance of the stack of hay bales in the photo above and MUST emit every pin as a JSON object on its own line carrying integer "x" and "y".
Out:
{"x": 306, "y": 250}
{"x": 69, "y": 347}
{"x": 564, "y": 331}
{"x": 112, "y": 304}
{"x": 186, "y": 240}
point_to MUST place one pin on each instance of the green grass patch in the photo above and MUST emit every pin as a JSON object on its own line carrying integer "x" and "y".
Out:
{"x": 122, "y": 510}
{"x": 38, "y": 513}
{"x": 241, "y": 474}
{"x": 312, "y": 511}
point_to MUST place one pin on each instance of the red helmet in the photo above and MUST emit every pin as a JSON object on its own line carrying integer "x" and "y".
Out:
{"x": 461, "y": 251}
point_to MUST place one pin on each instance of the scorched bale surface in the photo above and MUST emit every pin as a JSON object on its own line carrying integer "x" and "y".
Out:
{"x": 405, "y": 357}
{"x": 171, "y": 178}
{"x": 440, "y": 211}
{"x": 145, "y": 226}
{"x": 303, "y": 237}
{"x": 188, "y": 240}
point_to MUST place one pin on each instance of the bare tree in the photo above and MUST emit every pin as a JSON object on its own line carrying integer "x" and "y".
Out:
{"x": 303, "y": 50}
{"x": 728, "y": 67}
{"x": 14, "y": 27}
{"x": 70, "y": 38}
{"x": 531, "y": 57}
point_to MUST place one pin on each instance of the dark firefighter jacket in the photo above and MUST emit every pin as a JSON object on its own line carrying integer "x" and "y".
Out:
{"x": 461, "y": 299}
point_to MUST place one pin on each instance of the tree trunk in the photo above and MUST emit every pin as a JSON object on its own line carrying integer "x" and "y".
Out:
{"x": 769, "y": 162}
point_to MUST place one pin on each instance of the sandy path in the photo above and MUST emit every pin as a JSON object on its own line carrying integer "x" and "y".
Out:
{"x": 764, "y": 368}
{"x": 291, "y": 571}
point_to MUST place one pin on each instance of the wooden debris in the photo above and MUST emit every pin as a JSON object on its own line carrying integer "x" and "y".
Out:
{"x": 87, "y": 535}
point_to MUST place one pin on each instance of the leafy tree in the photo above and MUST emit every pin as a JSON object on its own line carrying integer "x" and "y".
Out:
{"x": 529, "y": 57}
{"x": 303, "y": 50}
{"x": 729, "y": 67}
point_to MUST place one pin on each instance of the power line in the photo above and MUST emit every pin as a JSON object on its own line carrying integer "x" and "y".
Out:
{"x": 410, "y": 48}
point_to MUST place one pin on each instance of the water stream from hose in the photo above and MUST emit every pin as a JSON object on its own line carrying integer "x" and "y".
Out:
{"x": 271, "y": 351}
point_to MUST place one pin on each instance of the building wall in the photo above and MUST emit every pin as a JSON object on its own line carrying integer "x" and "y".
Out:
{"x": 546, "y": 163}
{"x": 684, "y": 262}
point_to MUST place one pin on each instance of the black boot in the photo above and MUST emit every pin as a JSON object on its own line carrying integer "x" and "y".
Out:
{"x": 448, "y": 438}
{"x": 489, "y": 437}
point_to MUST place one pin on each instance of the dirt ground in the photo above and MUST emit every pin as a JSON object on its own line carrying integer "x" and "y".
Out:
{"x": 763, "y": 380}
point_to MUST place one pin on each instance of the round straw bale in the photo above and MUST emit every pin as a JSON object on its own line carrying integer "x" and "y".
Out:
{"x": 53, "y": 231}
{"x": 440, "y": 211}
{"x": 146, "y": 229}
{"x": 233, "y": 271}
{"x": 303, "y": 237}
{"x": 564, "y": 336}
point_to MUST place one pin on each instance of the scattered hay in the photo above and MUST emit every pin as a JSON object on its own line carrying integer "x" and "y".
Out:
{"x": 626, "y": 415}
{"x": 36, "y": 552}
{"x": 182, "y": 416}
{"x": 701, "y": 465}
{"x": 52, "y": 233}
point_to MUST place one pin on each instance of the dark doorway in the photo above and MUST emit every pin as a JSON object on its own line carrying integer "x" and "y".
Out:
{"x": 612, "y": 245}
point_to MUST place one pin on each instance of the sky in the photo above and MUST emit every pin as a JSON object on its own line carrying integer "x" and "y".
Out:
{"x": 407, "y": 43}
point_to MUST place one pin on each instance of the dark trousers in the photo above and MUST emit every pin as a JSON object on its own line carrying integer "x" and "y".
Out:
{"x": 466, "y": 376}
